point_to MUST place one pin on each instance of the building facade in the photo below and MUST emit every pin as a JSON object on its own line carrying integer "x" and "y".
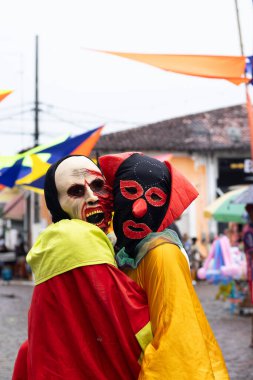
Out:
{"x": 212, "y": 149}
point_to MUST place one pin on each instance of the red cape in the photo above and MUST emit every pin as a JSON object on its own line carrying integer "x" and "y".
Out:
{"x": 83, "y": 325}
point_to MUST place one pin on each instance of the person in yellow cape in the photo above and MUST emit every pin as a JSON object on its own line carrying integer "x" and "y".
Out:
{"x": 148, "y": 195}
{"x": 87, "y": 319}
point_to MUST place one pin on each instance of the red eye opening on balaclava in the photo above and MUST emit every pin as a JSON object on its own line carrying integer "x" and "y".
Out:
{"x": 141, "y": 194}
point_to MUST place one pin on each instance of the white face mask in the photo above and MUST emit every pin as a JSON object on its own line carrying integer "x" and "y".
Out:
{"x": 81, "y": 191}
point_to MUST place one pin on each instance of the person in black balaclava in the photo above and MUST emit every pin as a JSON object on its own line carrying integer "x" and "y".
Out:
{"x": 148, "y": 196}
{"x": 141, "y": 196}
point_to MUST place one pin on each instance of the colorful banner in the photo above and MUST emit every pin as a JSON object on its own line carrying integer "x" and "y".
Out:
{"x": 4, "y": 93}
{"x": 81, "y": 144}
{"x": 231, "y": 68}
{"x": 249, "y": 68}
{"x": 28, "y": 169}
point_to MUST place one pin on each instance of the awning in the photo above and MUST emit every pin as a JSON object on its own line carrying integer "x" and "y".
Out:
{"x": 7, "y": 194}
{"x": 15, "y": 209}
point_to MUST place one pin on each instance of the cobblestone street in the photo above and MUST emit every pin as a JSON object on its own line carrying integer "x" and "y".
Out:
{"x": 233, "y": 332}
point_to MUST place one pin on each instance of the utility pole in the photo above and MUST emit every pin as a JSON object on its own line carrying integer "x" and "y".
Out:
{"x": 33, "y": 200}
{"x": 242, "y": 53}
{"x": 36, "y": 108}
{"x": 36, "y": 123}
{"x": 239, "y": 27}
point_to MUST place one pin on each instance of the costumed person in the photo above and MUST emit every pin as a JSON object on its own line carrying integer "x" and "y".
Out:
{"x": 247, "y": 235}
{"x": 87, "y": 319}
{"x": 148, "y": 196}
{"x": 20, "y": 251}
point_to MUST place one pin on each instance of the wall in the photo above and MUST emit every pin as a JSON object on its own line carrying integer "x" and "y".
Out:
{"x": 193, "y": 221}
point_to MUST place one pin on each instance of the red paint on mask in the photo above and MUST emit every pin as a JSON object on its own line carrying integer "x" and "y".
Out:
{"x": 139, "y": 208}
{"x": 106, "y": 201}
{"x": 131, "y": 189}
{"x": 134, "y": 230}
{"x": 156, "y": 197}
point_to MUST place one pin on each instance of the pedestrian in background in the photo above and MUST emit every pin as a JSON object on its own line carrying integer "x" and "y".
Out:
{"x": 195, "y": 259}
{"x": 20, "y": 251}
{"x": 248, "y": 247}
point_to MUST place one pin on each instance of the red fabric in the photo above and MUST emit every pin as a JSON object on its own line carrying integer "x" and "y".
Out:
{"x": 182, "y": 195}
{"x": 82, "y": 325}
{"x": 110, "y": 163}
{"x": 20, "y": 367}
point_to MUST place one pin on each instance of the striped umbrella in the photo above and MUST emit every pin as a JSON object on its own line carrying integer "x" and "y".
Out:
{"x": 245, "y": 197}
{"x": 223, "y": 209}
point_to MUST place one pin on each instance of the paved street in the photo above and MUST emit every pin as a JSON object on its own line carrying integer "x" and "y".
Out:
{"x": 232, "y": 331}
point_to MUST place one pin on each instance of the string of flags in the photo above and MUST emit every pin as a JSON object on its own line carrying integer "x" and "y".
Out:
{"x": 236, "y": 69}
{"x": 28, "y": 169}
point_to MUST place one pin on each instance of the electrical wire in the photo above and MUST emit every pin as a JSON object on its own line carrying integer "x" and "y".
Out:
{"x": 111, "y": 120}
{"x": 14, "y": 115}
{"x": 65, "y": 120}
{"x": 3, "y": 108}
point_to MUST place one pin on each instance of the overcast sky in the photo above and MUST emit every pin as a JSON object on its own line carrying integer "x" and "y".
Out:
{"x": 81, "y": 89}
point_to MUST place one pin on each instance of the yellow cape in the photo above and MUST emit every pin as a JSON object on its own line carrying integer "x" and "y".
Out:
{"x": 66, "y": 245}
{"x": 184, "y": 346}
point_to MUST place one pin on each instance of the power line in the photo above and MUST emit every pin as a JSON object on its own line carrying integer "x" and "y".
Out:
{"x": 15, "y": 133}
{"x": 78, "y": 124}
{"x": 15, "y": 106}
{"x": 64, "y": 120}
{"x": 108, "y": 119}
{"x": 8, "y": 117}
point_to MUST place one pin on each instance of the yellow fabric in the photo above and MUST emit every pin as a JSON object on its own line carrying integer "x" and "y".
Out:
{"x": 184, "y": 347}
{"x": 8, "y": 161}
{"x": 39, "y": 168}
{"x": 144, "y": 336}
{"x": 66, "y": 245}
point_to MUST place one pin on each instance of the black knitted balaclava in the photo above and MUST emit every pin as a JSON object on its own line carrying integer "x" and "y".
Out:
{"x": 141, "y": 193}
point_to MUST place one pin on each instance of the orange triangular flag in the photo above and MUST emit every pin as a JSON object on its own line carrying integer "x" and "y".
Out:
{"x": 4, "y": 93}
{"x": 231, "y": 68}
{"x": 86, "y": 147}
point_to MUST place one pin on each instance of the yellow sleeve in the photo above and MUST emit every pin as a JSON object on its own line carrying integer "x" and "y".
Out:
{"x": 184, "y": 346}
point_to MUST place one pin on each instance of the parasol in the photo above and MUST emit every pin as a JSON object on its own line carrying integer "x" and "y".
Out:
{"x": 246, "y": 197}
{"x": 223, "y": 209}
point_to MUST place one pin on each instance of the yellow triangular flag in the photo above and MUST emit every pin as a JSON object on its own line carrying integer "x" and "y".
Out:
{"x": 39, "y": 168}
